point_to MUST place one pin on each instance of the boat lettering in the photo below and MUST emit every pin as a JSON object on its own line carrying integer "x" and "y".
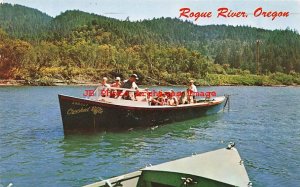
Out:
{"x": 73, "y": 111}
{"x": 78, "y": 103}
{"x": 96, "y": 110}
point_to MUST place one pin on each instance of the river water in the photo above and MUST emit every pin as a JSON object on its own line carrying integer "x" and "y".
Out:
{"x": 264, "y": 122}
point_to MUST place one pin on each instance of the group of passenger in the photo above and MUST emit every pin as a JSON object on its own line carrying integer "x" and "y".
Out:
{"x": 172, "y": 99}
{"x": 164, "y": 98}
{"x": 129, "y": 83}
{"x": 161, "y": 98}
{"x": 107, "y": 89}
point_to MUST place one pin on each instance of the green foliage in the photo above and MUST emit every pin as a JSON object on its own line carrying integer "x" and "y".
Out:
{"x": 251, "y": 80}
{"x": 12, "y": 53}
{"x": 286, "y": 79}
{"x": 23, "y": 22}
{"x": 83, "y": 46}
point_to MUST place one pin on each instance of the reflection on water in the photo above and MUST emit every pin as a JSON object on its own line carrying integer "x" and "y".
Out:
{"x": 118, "y": 153}
{"x": 264, "y": 122}
{"x": 130, "y": 142}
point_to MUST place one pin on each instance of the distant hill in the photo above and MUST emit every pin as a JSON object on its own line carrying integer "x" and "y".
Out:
{"x": 234, "y": 45}
{"x": 66, "y": 22}
{"x": 23, "y": 22}
{"x": 167, "y": 45}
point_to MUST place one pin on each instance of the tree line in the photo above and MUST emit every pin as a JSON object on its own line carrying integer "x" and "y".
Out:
{"x": 83, "y": 46}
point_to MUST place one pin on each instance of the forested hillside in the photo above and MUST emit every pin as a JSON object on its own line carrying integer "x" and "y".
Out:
{"x": 24, "y": 23}
{"x": 81, "y": 46}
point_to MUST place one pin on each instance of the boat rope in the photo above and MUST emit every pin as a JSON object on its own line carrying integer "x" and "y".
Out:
{"x": 227, "y": 102}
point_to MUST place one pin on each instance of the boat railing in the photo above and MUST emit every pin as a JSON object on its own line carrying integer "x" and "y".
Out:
{"x": 117, "y": 181}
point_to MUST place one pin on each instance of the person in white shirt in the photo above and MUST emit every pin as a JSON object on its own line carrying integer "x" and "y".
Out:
{"x": 192, "y": 91}
{"x": 130, "y": 84}
{"x": 104, "y": 87}
{"x": 192, "y": 87}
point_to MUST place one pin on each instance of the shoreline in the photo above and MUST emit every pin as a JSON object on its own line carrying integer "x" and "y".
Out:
{"x": 16, "y": 83}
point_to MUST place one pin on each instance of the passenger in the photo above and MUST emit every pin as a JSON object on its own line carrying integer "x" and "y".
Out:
{"x": 172, "y": 99}
{"x": 104, "y": 83}
{"x": 183, "y": 98}
{"x": 160, "y": 99}
{"x": 148, "y": 95}
{"x": 104, "y": 87}
{"x": 189, "y": 96}
{"x": 116, "y": 84}
{"x": 130, "y": 84}
{"x": 192, "y": 90}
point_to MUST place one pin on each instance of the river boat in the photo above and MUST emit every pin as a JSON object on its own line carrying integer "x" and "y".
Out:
{"x": 99, "y": 113}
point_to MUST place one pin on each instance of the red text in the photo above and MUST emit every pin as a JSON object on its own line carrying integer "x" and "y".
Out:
{"x": 273, "y": 14}
{"x": 187, "y": 13}
{"x": 226, "y": 13}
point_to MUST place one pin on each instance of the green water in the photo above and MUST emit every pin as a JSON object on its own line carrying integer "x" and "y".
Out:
{"x": 263, "y": 121}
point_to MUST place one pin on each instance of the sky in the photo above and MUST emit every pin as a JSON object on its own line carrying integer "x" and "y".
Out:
{"x": 148, "y": 9}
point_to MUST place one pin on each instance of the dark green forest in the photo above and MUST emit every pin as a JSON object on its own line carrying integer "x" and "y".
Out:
{"x": 81, "y": 47}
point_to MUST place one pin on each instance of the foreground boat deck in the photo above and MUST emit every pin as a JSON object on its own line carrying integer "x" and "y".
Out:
{"x": 222, "y": 167}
